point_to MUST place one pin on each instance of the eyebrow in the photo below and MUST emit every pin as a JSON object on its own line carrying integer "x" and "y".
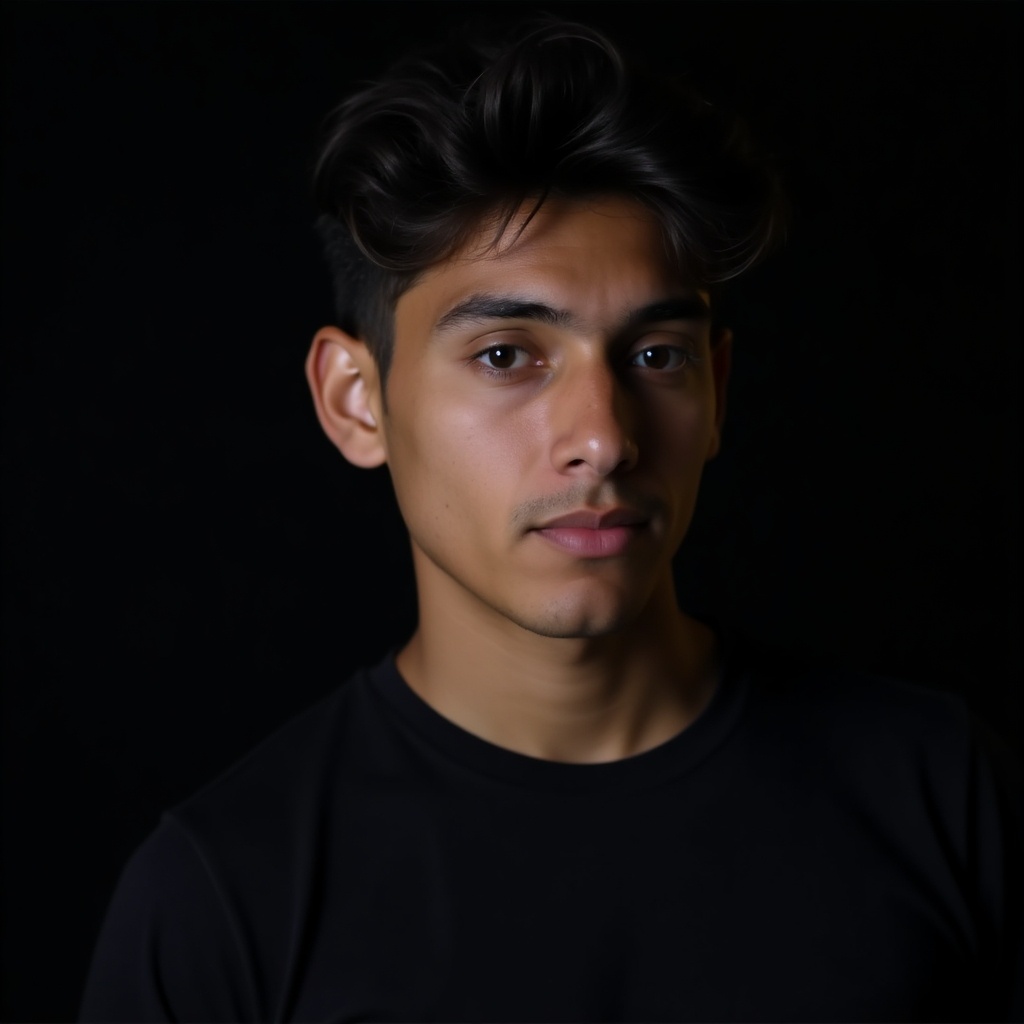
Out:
{"x": 694, "y": 307}
{"x": 478, "y": 309}
{"x": 481, "y": 308}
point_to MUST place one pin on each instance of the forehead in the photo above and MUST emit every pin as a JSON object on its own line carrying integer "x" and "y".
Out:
{"x": 600, "y": 258}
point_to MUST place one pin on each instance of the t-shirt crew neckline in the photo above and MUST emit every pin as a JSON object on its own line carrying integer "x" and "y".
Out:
{"x": 676, "y": 756}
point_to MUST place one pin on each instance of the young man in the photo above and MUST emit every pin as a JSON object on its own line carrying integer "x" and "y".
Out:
{"x": 563, "y": 798}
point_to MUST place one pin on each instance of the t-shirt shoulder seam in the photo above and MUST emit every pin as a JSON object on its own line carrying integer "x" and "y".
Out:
{"x": 171, "y": 820}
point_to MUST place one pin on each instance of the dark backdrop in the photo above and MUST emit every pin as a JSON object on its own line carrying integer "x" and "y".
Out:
{"x": 187, "y": 562}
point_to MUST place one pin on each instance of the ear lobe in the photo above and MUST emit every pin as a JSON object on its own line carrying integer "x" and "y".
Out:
{"x": 721, "y": 364}
{"x": 343, "y": 379}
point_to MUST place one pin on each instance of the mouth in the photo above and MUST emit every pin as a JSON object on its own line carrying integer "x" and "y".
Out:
{"x": 591, "y": 534}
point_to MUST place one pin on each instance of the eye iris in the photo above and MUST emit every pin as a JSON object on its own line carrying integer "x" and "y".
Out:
{"x": 656, "y": 358}
{"x": 502, "y": 358}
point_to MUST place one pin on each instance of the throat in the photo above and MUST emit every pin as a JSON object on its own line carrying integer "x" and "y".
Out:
{"x": 574, "y": 701}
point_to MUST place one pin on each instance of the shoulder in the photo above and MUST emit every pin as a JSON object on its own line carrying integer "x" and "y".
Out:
{"x": 842, "y": 710}
{"x": 315, "y": 745}
{"x": 166, "y": 931}
{"x": 897, "y": 753}
{"x": 203, "y": 916}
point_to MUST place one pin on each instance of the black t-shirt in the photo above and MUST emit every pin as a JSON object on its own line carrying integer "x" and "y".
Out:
{"x": 816, "y": 846}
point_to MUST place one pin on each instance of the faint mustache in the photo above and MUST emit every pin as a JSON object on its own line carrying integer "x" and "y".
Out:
{"x": 538, "y": 510}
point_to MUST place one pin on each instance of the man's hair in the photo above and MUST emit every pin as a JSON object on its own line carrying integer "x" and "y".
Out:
{"x": 413, "y": 164}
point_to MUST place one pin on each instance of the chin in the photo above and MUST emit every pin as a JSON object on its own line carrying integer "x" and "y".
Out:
{"x": 569, "y": 621}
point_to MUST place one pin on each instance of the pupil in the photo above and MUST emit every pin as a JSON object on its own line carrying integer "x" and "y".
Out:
{"x": 656, "y": 358}
{"x": 502, "y": 358}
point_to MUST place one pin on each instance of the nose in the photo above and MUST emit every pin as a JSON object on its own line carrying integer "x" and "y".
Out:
{"x": 594, "y": 423}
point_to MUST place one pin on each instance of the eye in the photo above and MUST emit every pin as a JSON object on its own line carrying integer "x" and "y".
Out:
{"x": 661, "y": 357}
{"x": 503, "y": 357}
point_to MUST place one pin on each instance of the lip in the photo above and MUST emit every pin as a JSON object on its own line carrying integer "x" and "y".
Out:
{"x": 590, "y": 534}
{"x": 588, "y": 519}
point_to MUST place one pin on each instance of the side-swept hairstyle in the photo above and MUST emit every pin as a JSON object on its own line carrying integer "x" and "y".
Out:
{"x": 413, "y": 163}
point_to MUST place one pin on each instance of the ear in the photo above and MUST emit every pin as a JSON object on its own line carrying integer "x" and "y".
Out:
{"x": 721, "y": 364}
{"x": 343, "y": 378}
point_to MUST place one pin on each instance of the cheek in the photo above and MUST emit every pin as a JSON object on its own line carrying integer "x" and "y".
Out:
{"x": 487, "y": 442}
{"x": 452, "y": 467}
{"x": 685, "y": 448}
{"x": 678, "y": 436}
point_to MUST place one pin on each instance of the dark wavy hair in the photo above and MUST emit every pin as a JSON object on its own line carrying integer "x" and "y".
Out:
{"x": 412, "y": 164}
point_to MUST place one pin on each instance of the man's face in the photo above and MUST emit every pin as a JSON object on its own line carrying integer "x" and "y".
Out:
{"x": 550, "y": 407}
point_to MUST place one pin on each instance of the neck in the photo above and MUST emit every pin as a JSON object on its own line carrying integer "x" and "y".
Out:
{"x": 578, "y": 699}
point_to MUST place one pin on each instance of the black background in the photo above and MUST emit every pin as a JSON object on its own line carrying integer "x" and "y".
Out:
{"x": 186, "y": 560}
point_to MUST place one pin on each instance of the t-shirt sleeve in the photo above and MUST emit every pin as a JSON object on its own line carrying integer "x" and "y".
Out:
{"x": 169, "y": 949}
